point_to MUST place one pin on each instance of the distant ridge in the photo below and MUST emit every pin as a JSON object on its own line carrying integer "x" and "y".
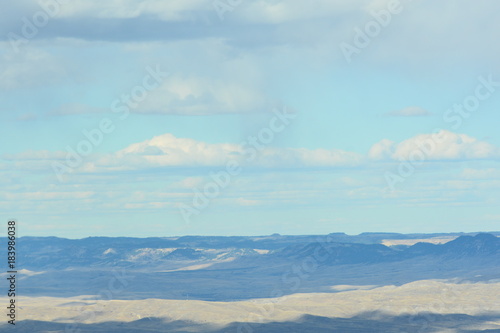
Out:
{"x": 54, "y": 252}
{"x": 482, "y": 244}
{"x": 230, "y": 268}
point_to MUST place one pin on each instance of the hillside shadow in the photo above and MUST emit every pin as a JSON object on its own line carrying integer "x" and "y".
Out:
{"x": 373, "y": 322}
{"x": 249, "y": 280}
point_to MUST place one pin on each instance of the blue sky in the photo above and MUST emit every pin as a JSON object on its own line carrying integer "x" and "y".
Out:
{"x": 359, "y": 152}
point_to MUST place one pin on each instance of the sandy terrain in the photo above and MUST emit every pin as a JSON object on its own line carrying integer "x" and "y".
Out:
{"x": 479, "y": 300}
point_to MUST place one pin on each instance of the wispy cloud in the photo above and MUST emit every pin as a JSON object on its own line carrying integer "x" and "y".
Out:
{"x": 202, "y": 96}
{"x": 411, "y": 111}
{"x": 75, "y": 108}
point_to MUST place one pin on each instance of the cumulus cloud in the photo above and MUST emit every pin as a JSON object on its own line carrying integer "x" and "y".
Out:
{"x": 382, "y": 150}
{"x": 443, "y": 145}
{"x": 169, "y": 151}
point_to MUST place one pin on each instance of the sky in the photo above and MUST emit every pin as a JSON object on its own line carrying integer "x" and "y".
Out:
{"x": 236, "y": 117}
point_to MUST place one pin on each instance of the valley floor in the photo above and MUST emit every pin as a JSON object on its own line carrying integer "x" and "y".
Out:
{"x": 420, "y": 306}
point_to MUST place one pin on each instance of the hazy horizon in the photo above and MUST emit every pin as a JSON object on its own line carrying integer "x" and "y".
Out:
{"x": 273, "y": 234}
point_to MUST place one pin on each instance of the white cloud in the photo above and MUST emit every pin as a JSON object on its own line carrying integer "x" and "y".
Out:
{"x": 382, "y": 150}
{"x": 444, "y": 145}
{"x": 167, "y": 150}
